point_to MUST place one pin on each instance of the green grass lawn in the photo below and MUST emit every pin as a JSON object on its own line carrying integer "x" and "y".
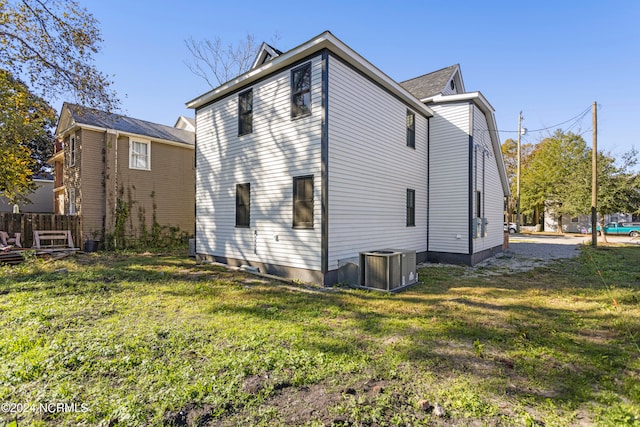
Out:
{"x": 138, "y": 339}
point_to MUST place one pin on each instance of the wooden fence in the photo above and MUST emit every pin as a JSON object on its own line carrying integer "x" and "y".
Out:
{"x": 26, "y": 223}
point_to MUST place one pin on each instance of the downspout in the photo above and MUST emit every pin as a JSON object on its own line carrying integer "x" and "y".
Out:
{"x": 470, "y": 217}
{"x": 428, "y": 179}
{"x": 114, "y": 134}
{"x": 324, "y": 149}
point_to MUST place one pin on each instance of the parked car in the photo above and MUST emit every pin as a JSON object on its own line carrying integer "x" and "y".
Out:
{"x": 621, "y": 228}
{"x": 511, "y": 227}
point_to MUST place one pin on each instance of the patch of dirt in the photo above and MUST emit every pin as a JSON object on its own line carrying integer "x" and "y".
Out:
{"x": 497, "y": 266}
{"x": 190, "y": 415}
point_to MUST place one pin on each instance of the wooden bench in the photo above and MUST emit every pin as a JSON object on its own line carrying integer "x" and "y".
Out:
{"x": 57, "y": 238}
{"x": 5, "y": 240}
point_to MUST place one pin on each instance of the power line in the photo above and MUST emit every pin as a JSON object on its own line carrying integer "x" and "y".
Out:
{"x": 577, "y": 118}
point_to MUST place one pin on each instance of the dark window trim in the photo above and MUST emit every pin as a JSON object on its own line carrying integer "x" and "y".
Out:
{"x": 243, "y": 209}
{"x": 411, "y": 207}
{"x": 296, "y": 201}
{"x": 411, "y": 129}
{"x": 302, "y": 67}
{"x": 245, "y": 113}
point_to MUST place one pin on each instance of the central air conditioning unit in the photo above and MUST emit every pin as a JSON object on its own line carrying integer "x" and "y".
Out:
{"x": 381, "y": 269}
{"x": 388, "y": 269}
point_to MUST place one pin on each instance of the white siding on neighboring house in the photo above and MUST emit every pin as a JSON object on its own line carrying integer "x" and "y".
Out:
{"x": 371, "y": 167}
{"x": 487, "y": 180}
{"x": 277, "y": 150}
{"x": 449, "y": 178}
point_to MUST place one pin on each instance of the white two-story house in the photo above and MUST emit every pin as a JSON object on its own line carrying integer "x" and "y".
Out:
{"x": 315, "y": 155}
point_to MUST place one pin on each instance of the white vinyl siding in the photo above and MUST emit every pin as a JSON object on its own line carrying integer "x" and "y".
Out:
{"x": 371, "y": 167}
{"x": 487, "y": 180}
{"x": 449, "y": 179}
{"x": 277, "y": 150}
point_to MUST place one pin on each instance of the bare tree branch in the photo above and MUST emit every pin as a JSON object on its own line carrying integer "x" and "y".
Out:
{"x": 216, "y": 63}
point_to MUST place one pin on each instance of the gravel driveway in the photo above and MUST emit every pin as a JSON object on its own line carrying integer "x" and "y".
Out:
{"x": 527, "y": 251}
{"x": 545, "y": 247}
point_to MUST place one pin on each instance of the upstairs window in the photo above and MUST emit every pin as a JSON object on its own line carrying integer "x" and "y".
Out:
{"x": 411, "y": 208}
{"x": 411, "y": 129}
{"x": 243, "y": 205}
{"x": 140, "y": 155}
{"x": 72, "y": 150}
{"x": 245, "y": 112}
{"x": 303, "y": 202}
{"x": 301, "y": 91}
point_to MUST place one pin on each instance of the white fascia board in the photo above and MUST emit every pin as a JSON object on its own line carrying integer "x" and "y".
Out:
{"x": 127, "y": 134}
{"x": 481, "y": 102}
{"x": 324, "y": 40}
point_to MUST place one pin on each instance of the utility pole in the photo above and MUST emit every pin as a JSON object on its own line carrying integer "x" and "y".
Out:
{"x": 518, "y": 218}
{"x": 594, "y": 178}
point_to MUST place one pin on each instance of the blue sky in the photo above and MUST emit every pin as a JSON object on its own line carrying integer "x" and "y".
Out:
{"x": 550, "y": 59}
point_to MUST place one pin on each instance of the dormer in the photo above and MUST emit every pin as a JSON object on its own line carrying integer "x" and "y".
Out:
{"x": 265, "y": 53}
{"x": 446, "y": 81}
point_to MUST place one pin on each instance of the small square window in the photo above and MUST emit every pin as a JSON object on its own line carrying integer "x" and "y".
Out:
{"x": 243, "y": 205}
{"x": 140, "y": 155}
{"x": 303, "y": 202}
{"x": 301, "y": 91}
{"x": 245, "y": 112}
{"x": 411, "y": 129}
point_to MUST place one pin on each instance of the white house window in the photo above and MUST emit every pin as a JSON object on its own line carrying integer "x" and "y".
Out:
{"x": 411, "y": 129}
{"x": 303, "y": 202}
{"x": 243, "y": 205}
{"x": 140, "y": 155}
{"x": 72, "y": 201}
{"x": 411, "y": 207}
{"x": 245, "y": 112}
{"x": 72, "y": 150}
{"x": 301, "y": 91}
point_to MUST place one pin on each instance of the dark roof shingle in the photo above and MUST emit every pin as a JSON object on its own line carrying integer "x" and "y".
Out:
{"x": 91, "y": 117}
{"x": 429, "y": 84}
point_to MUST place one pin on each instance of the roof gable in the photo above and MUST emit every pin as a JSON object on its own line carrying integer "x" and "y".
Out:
{"x": 324, "y": 41}
{"x": 265, "y": 53}
{"x": 73, "y": 114}
{"x": 186, "y": 123}
{"x": 446, "y": 81}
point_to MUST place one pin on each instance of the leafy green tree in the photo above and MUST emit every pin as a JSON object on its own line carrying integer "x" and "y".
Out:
{"x": 618, "y": 186}
{"x": 25, "y": 137}
{"x": 558, "y": 178}
{"x": 552, "y": 174}
{"x": 51, "y": 45}
{"x": 510, "y": 157}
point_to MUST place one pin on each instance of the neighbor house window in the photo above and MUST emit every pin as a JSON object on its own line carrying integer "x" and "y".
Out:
{"x": 303, "y": 202}
{"x": 245, "y": 112}
{"x": 411, "y": 207}
{"x": 243, "y": 203}
{"x": 72, "y": 150}
{"x": 301, "y": 91}
{"x": 411, "y": 129}
{"x": 140, "y": 155}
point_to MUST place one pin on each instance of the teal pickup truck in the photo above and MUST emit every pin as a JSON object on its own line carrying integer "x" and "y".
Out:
{"x": 622, "y": 228}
